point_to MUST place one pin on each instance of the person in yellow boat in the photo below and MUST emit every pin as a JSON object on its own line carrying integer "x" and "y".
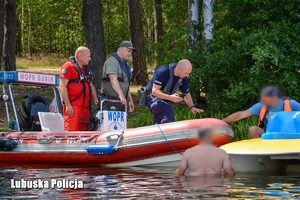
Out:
{"x": 205, "y": 158}
{"x": 271, "y": 102}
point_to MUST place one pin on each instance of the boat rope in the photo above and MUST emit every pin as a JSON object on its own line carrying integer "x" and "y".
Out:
{"x": 119, "y": 139}
{"x": 96, "y": 138}
{"x": 167, "y": 140}
{"x": 9, "y": 132}
{"x": 260, "y": 163}
{"x": 50, "y": 138}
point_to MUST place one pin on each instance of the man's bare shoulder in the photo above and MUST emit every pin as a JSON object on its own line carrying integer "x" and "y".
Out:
{"x": 222, "y": 152}
{"x": 192, "y": 149}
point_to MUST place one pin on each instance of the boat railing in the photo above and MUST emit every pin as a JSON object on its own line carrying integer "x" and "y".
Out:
{"x": 10, "y": 78}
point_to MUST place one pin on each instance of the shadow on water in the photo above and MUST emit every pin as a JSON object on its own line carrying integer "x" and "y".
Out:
{"x": 145, "y": 183}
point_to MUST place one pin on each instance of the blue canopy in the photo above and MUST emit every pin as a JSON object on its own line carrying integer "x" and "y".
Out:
{"x": 283, "y": 125}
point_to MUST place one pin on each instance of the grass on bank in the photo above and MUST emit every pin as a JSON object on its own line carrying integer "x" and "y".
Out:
{"x": 51, "y": 62}
{"x": 42, "y": 62}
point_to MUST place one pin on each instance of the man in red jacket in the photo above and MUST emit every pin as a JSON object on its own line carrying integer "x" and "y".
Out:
{"x": 76, "y": 88}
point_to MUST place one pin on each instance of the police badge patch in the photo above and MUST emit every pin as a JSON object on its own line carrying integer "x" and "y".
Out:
{"x": 64, "y": 71}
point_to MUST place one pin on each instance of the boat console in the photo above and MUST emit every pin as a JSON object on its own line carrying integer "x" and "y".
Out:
{"x": 283, "y": 125}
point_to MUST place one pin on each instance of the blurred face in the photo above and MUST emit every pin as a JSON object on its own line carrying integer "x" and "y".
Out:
{"x": 270, "y": 101}
{"x": 184, "y": 72}
{"x": 125, "y": 53}
{"x": 211, "y": 137}
{"x": 85, "y": 57}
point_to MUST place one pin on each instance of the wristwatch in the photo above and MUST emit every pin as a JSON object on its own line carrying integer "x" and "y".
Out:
{"x": 193, "y": 106}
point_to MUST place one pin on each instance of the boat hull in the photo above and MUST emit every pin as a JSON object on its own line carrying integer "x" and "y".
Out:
{"x": 257, "y": 155}
{"x": 139, "y": 146}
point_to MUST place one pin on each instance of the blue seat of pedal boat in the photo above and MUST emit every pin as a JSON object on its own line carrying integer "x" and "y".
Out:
{"x": 283, "y": 125}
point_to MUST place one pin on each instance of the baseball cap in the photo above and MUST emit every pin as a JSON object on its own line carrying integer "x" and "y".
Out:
{"x": 271, "y": 91}
{"x": 127, "y": 44}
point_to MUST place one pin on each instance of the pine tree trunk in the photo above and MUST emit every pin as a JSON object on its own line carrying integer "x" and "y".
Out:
{"x": 10, "y": 21}
{"x": 140, "y": 75}
{"x": 158, "y": 27}
{"x": 1, "y": 29}
{"x": 94, "y": 36}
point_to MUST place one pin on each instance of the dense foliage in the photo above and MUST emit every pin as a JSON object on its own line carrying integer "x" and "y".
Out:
{"x": 256, "y": 43}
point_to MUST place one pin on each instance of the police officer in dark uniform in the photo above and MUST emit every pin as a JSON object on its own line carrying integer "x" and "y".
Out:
{"x": 162, "y": 88}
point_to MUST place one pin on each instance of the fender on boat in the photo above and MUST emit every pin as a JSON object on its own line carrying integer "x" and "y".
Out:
{"x": 7, "y": 143}
{"x": 100, "y": 149}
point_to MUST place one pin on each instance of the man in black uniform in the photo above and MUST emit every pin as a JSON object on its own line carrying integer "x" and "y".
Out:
{"x": 166, "y": 80}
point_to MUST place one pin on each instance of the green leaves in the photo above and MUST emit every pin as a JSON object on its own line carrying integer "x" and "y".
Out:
{"x": 256, "y": 43}
{"x": 54, "y": 26}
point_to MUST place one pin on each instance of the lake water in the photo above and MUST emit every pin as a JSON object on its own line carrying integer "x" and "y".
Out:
{"x": 145, "y": 183}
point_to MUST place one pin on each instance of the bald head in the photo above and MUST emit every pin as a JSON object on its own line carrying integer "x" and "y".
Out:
{"x": 82, "y": 56}
{"x": 184, "y": 63}
{"x": 81, "y": 50}
{"x": 184, "y": 68}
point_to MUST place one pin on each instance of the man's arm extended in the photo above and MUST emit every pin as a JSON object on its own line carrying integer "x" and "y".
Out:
{"x": 182, "y": 166}
{"x": 130, "y": 101}
{"x": 116, "y": 86}
{"x": 237, "y": 116}
{"x": 189, "y": 102}
{"x": 159, "y": 94}
{"x": 64, "y": 93}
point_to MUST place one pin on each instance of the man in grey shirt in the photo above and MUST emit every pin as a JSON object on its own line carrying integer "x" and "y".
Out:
{"x": 116, "y": 76}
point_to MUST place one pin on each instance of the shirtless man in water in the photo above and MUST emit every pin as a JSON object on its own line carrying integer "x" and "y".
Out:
{"x": 205, "y": 158}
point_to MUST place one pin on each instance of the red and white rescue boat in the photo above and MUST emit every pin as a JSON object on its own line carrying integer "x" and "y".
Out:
{"x": 150, "y": 145}
{"x": 156, "y": 145}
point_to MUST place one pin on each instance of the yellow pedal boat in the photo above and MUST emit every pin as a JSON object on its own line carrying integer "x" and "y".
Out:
{"x": 278, "y": 149}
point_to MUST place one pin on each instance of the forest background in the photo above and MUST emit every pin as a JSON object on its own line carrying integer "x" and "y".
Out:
{"x": 254, "y": 43}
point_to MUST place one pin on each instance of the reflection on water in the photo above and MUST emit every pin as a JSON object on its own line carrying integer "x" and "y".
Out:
{"x": 144, "y": 183}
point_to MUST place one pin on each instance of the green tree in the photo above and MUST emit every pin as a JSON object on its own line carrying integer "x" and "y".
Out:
{"x": 256, "y": 43}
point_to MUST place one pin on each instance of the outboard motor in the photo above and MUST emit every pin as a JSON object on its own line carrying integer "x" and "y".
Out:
{"x": 28, "y": 112}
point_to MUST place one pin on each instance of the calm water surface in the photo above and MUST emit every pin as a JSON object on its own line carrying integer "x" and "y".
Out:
{"x": 145, "y": 183}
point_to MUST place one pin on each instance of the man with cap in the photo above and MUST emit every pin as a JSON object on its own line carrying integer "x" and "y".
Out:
{"x": 271, "y": 102}
{"x": 161, "y": 90}
{"x": 116, "y": 76}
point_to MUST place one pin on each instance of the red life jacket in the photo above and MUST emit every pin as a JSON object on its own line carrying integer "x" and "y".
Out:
{"x": 263, "y": 111}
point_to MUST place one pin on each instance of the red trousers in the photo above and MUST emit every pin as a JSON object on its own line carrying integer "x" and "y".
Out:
{"x": 73, "y": 123}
